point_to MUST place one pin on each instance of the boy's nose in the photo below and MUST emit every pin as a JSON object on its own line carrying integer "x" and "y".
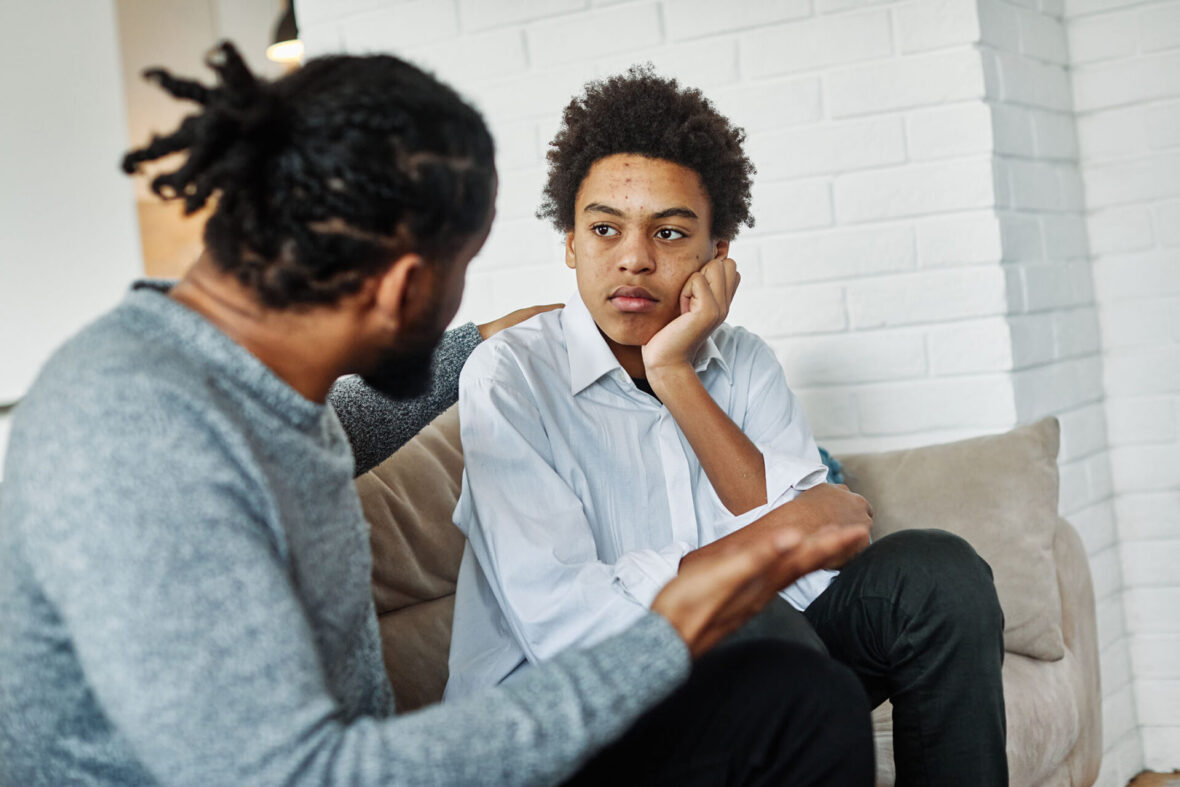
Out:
{"x": 637, "y": 257}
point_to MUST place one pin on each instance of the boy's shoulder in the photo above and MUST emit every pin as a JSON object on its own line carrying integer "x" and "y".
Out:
{"x": 736, "y": 343}
{"x": 536, "y": 345}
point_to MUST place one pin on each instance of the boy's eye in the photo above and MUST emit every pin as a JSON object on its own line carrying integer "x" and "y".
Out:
{"x": 604, "y": 230}
{"x": 667, "y": 233}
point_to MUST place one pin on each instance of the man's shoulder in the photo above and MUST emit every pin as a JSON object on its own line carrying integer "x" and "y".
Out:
{"x": 109, "y": 361}
{"x": 107, "y": 386}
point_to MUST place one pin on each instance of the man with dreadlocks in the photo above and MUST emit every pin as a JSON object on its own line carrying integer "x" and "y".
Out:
{"x": 184, "y": 566}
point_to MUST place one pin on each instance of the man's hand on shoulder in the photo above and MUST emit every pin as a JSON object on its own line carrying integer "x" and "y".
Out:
{"x": 490, "y": 329}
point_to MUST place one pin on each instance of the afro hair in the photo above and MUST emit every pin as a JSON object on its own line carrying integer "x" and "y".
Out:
{"x": 642, "y": 113}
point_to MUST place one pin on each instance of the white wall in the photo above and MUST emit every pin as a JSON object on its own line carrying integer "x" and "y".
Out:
{"x": 68, "y": 237}
{"x": 1057, "y": 358}
{"x": 874, "y": 267}
{"x": 1126, "y": 82}
{"x": 176, "y": 34}
{"x": 69, "y": 240}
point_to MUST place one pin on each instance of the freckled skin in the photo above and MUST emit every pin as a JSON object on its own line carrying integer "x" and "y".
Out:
{"x": 636, "y": 249}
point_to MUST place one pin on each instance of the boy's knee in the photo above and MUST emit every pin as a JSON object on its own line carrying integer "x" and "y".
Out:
{"x": 946, "y": 577}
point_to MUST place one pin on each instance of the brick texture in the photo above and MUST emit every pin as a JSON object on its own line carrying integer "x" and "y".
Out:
{"x": 1126, "y": 82}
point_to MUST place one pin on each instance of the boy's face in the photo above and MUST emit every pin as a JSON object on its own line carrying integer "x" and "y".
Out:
{"x": 641, "y": 228}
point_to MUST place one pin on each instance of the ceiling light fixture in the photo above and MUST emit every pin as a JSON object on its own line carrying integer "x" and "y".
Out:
{"x": 287, "y": 48}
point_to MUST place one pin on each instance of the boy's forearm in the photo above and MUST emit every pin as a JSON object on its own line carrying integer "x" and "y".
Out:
{"x": 732, "y": 462}
{"x": 826, "y": 507}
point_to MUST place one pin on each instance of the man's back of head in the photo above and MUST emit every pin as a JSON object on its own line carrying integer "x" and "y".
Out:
{"x": 323, "y": 176}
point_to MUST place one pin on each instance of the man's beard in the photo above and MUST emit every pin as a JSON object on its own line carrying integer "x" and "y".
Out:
{"x": 405, "y": 371}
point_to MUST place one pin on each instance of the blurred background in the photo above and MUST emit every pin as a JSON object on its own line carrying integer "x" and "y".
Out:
{"x": 968, "y": 217}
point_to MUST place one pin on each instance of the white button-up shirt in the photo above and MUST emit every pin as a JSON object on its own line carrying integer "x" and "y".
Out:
{"x": 581, "y": 494}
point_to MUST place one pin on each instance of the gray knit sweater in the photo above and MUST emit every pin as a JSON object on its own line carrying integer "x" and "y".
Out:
{"x": 184, "y": 585}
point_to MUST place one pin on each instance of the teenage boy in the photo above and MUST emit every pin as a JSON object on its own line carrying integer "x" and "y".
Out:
{"x": 184, "y": 567}
{"x": 612, "y": 444}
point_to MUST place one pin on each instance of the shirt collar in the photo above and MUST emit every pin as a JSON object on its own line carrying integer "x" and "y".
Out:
{"x": 590, "y": 357}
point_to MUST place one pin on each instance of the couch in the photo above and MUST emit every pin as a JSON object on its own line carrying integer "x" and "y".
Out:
{"x": 999, "y": 492}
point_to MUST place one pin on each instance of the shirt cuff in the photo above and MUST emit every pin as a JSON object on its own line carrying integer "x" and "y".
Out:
{"x": 807, "y": 588}
{"x": 787, "y": 475}
{"x": 643, "y": 573}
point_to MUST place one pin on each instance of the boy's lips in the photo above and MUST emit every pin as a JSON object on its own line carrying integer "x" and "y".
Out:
{"x": 632, "y": 299}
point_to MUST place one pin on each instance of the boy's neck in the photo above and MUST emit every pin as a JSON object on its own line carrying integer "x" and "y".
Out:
{"x": 629, "y": 356}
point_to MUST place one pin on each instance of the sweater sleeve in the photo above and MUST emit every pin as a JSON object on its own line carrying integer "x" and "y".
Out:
{"x": 194, "y": 641}
{"x": 378, "y": 425}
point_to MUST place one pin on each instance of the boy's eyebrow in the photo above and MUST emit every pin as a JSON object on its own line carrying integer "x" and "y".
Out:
{"x": 683, "y": 213}
{"x": 598, "y": 207}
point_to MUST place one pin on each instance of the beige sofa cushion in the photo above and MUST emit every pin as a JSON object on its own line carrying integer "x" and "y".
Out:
{"x": 408, "y": 500}
{"x": 999, "y": 492}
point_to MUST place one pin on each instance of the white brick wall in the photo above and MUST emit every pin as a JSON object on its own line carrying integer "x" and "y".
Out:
{"x": 1126, "y": 81}
{"x": 920, "y": 262}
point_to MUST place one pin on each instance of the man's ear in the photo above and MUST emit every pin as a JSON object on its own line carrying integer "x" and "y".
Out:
{"x": 571, "y": 259}
{"x": 720, "y": 249}
{"x": 401, "y": 285}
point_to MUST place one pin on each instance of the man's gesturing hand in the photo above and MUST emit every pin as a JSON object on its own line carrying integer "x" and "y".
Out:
{"x": 704, "y": 304}
{"x": 723, "y": 584}
{"x": 715, "y": 593}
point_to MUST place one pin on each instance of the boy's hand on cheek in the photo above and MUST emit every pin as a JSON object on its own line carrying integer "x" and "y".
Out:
{"x": 704, "y": 304}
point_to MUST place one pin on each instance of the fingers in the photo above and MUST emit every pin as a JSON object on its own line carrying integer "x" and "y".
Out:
{"x": 721, "y": 589}
{"x": 698, "y": 295}
{"x": 713, "y": 286}
{"x": 828, "y": 547}
{"x": 489, "y": 329}
{"x": 722, "y": 277}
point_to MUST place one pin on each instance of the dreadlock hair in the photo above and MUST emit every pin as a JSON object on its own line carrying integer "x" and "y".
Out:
{"x": 645, "y": 114}
{"x": 326, "y": 175}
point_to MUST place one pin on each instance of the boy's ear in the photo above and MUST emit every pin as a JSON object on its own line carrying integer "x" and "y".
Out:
{"x": 571, "y": 259}
{"x": 720, "y": 249}
{"x": 398, "y": 288}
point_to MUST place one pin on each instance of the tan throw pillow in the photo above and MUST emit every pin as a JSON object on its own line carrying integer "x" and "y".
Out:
{"x": 999, "y": 492}
{"x": 408, "y": 500}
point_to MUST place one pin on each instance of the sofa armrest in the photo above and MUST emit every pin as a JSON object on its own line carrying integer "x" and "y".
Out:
{"x": 1080, "y": 631}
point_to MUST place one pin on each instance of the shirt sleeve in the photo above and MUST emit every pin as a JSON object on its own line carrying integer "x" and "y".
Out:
{"x": 529, "y": 532}
{"x": 774, "y": 421}
{"x": 776, "y": 424}
{"x": 196, "y": 646}
{"x": 378, "y": 425}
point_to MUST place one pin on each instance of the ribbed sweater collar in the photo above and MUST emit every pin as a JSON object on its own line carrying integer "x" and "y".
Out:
{"x": 148, "y": 310}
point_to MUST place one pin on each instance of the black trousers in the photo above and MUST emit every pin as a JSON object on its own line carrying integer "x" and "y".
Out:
{"x": 754, "y": 712}
{"x": 917, "y": 619}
